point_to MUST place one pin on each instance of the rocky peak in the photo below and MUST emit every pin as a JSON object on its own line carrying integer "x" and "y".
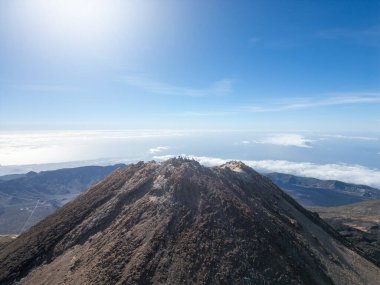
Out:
{"x": 180, "y": 222}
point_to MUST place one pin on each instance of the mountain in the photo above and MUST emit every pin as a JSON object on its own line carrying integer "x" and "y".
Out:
{"x": 25, "y": 199}
{"x": 5, "y": 239}
{"x": 359, "y": 223}
{"x": 178, "y": 222}
{"x": 42, "y": 193}
{"x": 312, "y": 192}
{"x": 13, "y": 176}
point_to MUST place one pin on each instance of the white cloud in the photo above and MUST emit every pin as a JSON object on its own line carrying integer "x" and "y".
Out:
{"x": 35, "y": 147}
{"x": 368, "y": 36}
{"x": 286, "y": 140}
{"x": 17, "y": 169}
{"x": 158, "y": 149}
{"x": 222, "y": 87}
{"x": 352, "y": 137}
{"x": 306, "y": 103}
{"x": 344, "y": 172}
{"x": 19, "y": 150}
{"x": 357, "y": 174}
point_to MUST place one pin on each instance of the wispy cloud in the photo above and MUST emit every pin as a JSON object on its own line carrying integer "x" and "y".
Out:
{"x": 352, "y": 137}
{"x": 221, "y": 87}
{"x": 36, "y": 87}
{"x": 357, "y": 174}
{"x": 297, "y": 104}
{"x": 43, "y": 87}
{"x": 369, "y": 36}
{"x": 295, "y": 140}
{"x": 292, "y": 104}
{"x": 158, "y": 149}
{"x": 205, "y": 114}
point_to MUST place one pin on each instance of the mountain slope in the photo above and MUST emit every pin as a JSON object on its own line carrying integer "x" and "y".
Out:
{"x": 314, "y": 192}
{"x": 359, "y": 223}
{"x": 180, "y": 222}
{"x": 28, "y": 198}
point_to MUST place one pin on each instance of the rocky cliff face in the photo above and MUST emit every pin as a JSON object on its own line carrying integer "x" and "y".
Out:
{"x": 178, "y": 222}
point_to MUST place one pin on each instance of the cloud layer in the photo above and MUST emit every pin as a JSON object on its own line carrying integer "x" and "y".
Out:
{"x": 21, "y": 149}
{"x": 284, "y": 140}
{"x": 344, "y": 172}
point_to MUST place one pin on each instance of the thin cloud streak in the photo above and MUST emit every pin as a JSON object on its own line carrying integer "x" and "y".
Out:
{"x": 292, "y": 105}
{"x": 332, "y": 101}
{"x": 218, "y": 88}
{"x": 205, "y": 114}
{"x": 352, "y": 137}
{"x": 369, "y": 36}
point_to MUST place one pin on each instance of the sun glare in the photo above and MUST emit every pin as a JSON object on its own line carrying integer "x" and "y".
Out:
{"x": 72, "y": 24}
{"x": 78, "y": 16}
{"x": 83, "y": 31}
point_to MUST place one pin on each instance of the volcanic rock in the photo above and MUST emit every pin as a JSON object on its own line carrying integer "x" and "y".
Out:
{"x": 178, "y": 222}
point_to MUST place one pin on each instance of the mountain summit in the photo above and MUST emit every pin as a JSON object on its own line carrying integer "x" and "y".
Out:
{"x": 178, "y": 222}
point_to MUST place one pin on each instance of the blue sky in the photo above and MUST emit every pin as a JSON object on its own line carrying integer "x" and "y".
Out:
{"x": 288, "y": 86}
{"x": 259, "y": 65}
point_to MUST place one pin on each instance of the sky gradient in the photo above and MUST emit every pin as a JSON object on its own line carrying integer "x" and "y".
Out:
{"x": 261, "y": 65}
{"x": 288, "y": 86}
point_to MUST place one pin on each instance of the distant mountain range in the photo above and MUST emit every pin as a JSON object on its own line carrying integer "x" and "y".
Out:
{"x": 15, "y": 176}
{"x": 312, "y": 192}
{"x": 179, "y": 222}
{"x": 25, "y": 199}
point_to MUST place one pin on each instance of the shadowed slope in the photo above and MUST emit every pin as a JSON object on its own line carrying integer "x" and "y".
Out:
{"x": 28, "y": 198}
{"x": 359, "y": 223}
